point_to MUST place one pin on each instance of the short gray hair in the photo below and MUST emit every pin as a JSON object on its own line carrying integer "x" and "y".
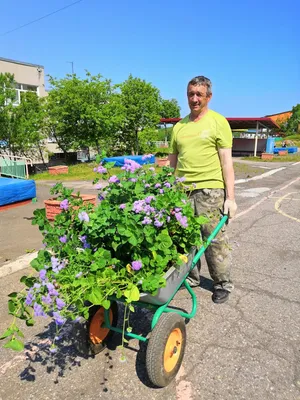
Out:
{"x": 201, "y": 80}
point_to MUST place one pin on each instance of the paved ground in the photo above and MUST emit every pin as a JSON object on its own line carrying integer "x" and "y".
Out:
{"x": 247, "y": 348}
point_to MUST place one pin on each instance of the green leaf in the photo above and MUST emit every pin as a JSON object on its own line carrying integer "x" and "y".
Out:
{"x": 131, "y": 308}
{"x": 14, "y": 344}
{"x": 96, "y": 296}
{"x": 13, "y": 295}
{"x": 20, "y": 333}
{"x": 132, "y": 294}
{"x": 106, "y": 304}
{"x": 129, "y": 329}
{"x": 11, "y": 306}
{"x": 7, "y": 333}
{"x": 30, "y": 322}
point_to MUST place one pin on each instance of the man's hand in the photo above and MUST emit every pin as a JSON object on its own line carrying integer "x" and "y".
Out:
{"x": 230, "y": 208}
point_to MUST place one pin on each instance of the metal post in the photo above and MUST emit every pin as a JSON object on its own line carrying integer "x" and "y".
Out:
{"x": 256, "y": 137}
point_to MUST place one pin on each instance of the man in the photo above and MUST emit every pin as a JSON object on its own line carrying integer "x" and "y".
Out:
{"x": 201, "y": 151}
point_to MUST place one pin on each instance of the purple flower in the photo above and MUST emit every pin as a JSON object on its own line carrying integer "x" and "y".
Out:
{"x": 167, "y": 184}
{"x": 194, "y": 185}
{"x": 38, "y": 310}
{"x": 136, "y": 265}
{"x": 177, "y": 209}
{"x": 51, "y": 289}
{"x": 161, "y": 191}
{"x": 60, "y": 303}
{"x": 47, "y": 299}
{"x": 122, "y": 206}
{"x": 168, "y": 218}
{"x": 138, "y": 206}
{"x": 64, "y": 205}
{"x": 86, "y": 245}
{"x": 59, "y": 320}
{"x": 54, "y": 262}
{"x": 29, "y": 298}
{"x": 63, "y": 239}
{"x": 132, "y": 179}
{"x": 151, "y": 169}
{"x": 147, "y": 156}
{"x": 158, "y": 185}
{"x": 147, "y": 185}
{"x": 98, "y": 185}
{"x": 114, "y": 179}
{"x": 83, "y": 216}
{"x": 182, "y": 179}
{"x": 148, "y": 199}
{"x": 42, "y": 274}
{"x": 78, "y": 275}
{"x": 101, "y": 170}
{"x": 147, "y": 221}
{"x": 130, "y": 165}
{"x": 181, "y": 219}
{"x": 158, "y": 223}
{"x": 37, "y": 286}
{"x": 53, "y": 350}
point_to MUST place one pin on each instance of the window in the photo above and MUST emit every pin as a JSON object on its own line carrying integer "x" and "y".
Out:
{"x": 22, "y": 87}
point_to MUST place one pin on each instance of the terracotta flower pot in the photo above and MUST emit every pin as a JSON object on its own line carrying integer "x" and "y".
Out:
{"x": 282, "y": 152}
{"x": 52, "y": 206}
{"x": 267, "y": 156}
{"x": 58, "y": 169}
{"x": 163, "y": 162}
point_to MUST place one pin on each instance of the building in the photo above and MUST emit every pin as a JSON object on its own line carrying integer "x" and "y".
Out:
{"x": 280, "y": 118}
{"x": 31, "y": 77}
{"x": 28, "y": 77}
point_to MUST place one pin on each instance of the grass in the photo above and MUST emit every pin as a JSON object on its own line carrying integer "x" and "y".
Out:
{"x": 84, "y": 172}
{"x": 289, "y": 158}
{"x": 78, "y": 172}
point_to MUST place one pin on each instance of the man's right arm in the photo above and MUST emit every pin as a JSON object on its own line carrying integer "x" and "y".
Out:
{"x": 173, "y": 160}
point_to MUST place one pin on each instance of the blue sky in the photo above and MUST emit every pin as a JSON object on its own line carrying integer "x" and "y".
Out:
{"x": 249, "y": 49}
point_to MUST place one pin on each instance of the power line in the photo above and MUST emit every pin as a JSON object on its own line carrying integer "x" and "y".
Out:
{"x": 38, "y": 19}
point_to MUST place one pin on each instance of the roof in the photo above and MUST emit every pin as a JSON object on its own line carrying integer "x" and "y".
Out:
{"x": 236, "y": 123}
{"x": 280, "y": 113}
{"x": 21, "y": 62}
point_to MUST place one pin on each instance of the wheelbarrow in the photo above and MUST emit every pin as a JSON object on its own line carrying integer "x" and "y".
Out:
{"x": 167, "y": 341}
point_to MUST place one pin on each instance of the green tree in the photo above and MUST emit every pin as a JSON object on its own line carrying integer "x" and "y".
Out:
{"x": 28, "y": 134}
{"x": 142, "y": 103}
{"x": 170, "y": 109}
{"x": 83, "y": 113}
{"x": 7, "y": 96}
{"x": 293, "y": 123}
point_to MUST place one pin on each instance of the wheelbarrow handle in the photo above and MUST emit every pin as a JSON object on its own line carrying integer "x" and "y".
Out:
{"x": 214, "y": 233}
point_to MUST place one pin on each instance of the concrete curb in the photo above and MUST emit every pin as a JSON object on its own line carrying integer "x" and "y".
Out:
{"x": 21, "y": 262}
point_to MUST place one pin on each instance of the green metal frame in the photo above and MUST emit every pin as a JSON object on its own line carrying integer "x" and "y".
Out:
{"x": 159, "y": 310}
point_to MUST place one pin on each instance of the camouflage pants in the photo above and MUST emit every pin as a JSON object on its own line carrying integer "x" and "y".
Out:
{"x": 209, "y": 202}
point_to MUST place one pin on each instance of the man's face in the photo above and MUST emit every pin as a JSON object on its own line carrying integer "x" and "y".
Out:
{"x": 197, "y": 97}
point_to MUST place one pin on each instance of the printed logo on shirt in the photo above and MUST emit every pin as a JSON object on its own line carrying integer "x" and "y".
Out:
{"x": 205, "y": 133}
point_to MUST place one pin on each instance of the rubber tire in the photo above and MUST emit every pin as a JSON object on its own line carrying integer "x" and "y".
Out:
{"x": 98, "y": 347}
{"x": 156, "y": 348}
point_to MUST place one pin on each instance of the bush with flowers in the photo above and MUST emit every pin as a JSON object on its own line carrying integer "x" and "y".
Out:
{"x": 143, "y": 225}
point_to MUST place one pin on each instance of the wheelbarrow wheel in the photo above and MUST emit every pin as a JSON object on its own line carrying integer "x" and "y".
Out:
{"x": 165, "y": 349}
{"x": 99, "y": 336}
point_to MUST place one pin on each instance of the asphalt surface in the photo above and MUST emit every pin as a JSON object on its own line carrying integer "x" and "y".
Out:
{"x": 247, "y": 348}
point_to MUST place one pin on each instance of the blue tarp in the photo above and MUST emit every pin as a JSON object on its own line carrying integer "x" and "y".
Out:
{"x": 13, "y": 190}
{"x": 289, "y": 149}
{"x": 119, "y": 161}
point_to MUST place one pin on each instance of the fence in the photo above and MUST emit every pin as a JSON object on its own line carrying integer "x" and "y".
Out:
{"x": 14, "y": 166}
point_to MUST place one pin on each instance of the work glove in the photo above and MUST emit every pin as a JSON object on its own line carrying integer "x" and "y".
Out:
{"x": 229, "y": 208}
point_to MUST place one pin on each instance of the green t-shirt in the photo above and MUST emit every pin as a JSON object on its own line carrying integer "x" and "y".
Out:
{"x": 197, "y": 144}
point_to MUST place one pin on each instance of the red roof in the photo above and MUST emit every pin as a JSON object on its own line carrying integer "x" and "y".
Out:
{"x": 236, "y": 123}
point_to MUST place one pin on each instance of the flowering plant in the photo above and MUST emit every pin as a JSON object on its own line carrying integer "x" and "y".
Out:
{"x": 143, "y": 225}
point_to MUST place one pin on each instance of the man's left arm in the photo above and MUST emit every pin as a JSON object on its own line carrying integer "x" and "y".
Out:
{"x": 225, "y": 156}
